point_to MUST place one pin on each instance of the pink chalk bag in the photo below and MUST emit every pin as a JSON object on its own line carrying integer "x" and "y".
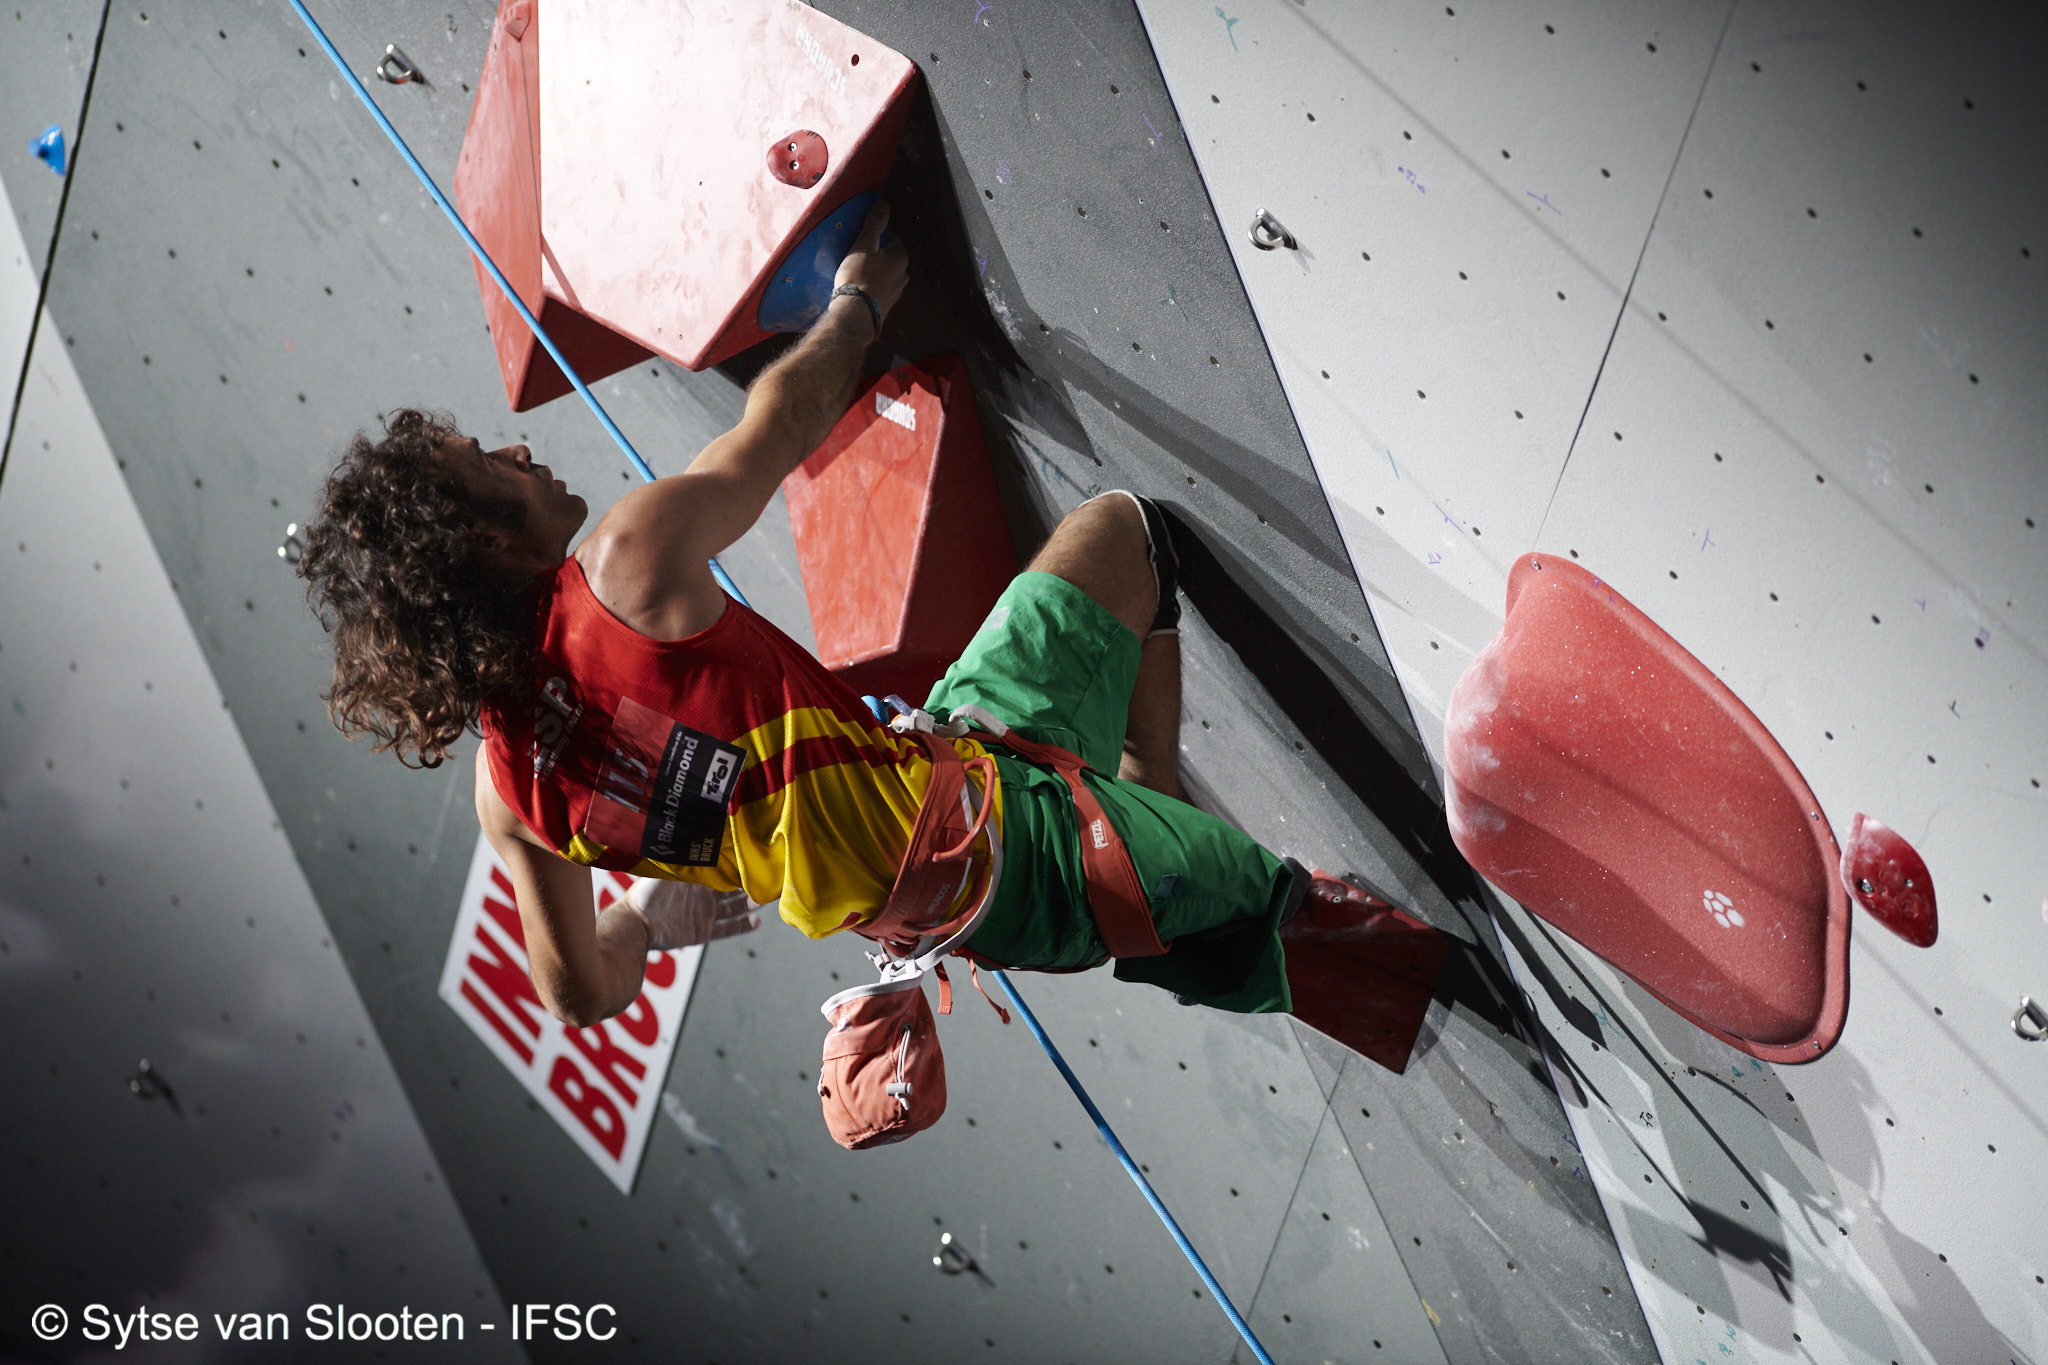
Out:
{"x": 884, "y": 1077}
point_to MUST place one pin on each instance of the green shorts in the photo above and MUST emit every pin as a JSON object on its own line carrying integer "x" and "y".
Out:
{"x": 1053, "y": 663}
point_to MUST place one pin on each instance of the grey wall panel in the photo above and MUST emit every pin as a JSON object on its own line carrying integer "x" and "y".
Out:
{"x": 1476, "y": 293}
{"x": 52, "y": 41}
{"x": 1797, "y": 512}
{"x": 1454, "y": 289}
{"x": 1508, "y": 1245}
{"x": 1322, "y": 1298}
{"x": 1796, "y": 439}
{"x": 313, "y": 287}
{"x": 150, "y": 908}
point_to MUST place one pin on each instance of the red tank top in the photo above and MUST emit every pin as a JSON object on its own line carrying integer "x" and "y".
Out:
{"x": 732, "y": 758}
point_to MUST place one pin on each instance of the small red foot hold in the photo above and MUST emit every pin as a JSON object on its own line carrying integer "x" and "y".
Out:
{"x": 1361, "y": 970}
{"x": 1883, "y": 874}
{"x": 799, "y": 159}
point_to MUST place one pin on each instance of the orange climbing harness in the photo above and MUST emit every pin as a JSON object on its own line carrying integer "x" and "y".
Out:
{"x": 884, "y": 1076}
{"x": 1116, "y": 898}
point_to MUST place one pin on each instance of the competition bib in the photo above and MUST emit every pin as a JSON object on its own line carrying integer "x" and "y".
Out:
{"x": 663, "y": 789}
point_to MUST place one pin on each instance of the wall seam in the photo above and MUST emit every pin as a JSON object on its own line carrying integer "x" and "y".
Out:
{"x": 1677, "y": 155}
{"x": 35, "y": 321}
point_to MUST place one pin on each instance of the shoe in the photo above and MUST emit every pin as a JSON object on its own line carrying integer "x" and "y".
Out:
{"x": 1361, "y": 970}
{"x": 1338, "y": 921}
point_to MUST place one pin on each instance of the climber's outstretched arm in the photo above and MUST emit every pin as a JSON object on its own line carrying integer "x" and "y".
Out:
{"x": 646, "y": 560}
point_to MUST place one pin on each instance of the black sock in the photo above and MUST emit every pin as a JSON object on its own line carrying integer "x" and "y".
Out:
{"x": 1298, "y": 892}
{"x": 1165, "y": 566}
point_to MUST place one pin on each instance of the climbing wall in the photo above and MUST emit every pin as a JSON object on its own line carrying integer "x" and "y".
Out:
{"x": 247, "y": 274}
{"x": 201, "y": 1119}
{"x": 1742, "y": 308}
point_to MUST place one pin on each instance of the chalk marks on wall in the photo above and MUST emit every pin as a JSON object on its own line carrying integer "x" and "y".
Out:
{"x": 1174, "y": 300}
{"x": 1052, "y": 473}
{"x": 1228, "y": 25}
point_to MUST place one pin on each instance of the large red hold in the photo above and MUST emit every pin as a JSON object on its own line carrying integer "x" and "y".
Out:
{"x": 645, "y": 170}
{"x": 497, "y": 188}
{"x": 899, "y": 531}
{"x": 1883, "y": 874}
{"x": 1602, "y": 776}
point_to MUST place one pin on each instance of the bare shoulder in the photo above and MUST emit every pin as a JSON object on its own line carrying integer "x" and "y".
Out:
{"x": 631, "y": 522}
{"x": 646, "y": 564}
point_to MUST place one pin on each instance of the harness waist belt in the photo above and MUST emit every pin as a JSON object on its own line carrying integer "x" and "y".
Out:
{"x": 928, "y": 881}
{"x": 938, "y": 864}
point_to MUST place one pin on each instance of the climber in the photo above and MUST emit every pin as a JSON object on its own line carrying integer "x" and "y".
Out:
{"x": 635, "y": 717}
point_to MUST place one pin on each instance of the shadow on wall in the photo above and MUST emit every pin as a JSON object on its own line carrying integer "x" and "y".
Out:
{"x": 1372, "y": 751}
{"x": 1922, "y": 1285}
{"x": 986, "y": 327}
{"x": 1702, "y": 1154}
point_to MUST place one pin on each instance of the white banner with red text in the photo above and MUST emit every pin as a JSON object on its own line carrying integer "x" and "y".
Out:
{"x": 601, "y": 1084}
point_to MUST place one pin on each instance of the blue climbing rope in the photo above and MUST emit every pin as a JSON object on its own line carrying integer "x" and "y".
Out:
{"x": 725, "y": 582}
{"x": 491, "y": 266}
{"x": 1244, "y": 1329}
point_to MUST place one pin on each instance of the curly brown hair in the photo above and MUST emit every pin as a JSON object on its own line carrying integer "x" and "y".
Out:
{"x": 425, "y": 632}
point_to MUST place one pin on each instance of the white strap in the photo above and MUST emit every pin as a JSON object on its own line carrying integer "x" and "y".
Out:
{"x": 969, "y": 711}
{"x": 899, "y": 1089}
{"x": 921, "y": 719}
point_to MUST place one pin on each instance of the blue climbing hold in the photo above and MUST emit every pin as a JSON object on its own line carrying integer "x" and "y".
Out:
{"x": 802, "y": 284}
{"x": 49, "y": 147}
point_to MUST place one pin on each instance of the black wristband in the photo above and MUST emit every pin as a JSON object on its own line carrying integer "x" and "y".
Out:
{"x": 874, "y": 309}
